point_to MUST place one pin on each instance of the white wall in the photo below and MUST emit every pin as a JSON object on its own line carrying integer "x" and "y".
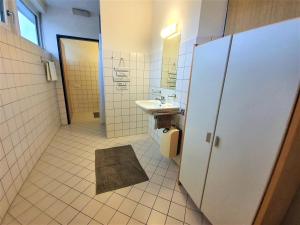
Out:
{"x": 62, "y": 21}
{"x": 185, "y": 13}
{"x": 126, "y": 25}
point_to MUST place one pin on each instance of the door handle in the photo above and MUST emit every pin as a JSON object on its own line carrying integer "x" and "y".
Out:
{"x": 217, "y": 141}
{"x": 12, "y": 14}
{"x": 208, "y": 137}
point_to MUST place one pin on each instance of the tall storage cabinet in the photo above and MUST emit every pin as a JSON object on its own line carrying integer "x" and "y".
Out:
{"x": 261, "y": 84}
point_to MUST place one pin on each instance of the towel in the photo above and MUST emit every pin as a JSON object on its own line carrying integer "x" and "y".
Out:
{"x": 51, "y": 71}
{"x": 48, "y": 71}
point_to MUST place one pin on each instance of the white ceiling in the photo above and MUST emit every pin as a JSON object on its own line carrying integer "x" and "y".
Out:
{"x": 90, "y": 5}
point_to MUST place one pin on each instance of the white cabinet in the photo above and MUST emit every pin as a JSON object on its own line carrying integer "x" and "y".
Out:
{"x": 260, "y": 89}
{"x": 204, "y": 98}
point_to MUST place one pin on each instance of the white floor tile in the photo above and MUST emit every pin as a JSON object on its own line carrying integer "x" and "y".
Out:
{"x": 124, "y": 191}
{"x": 153, "y": 188}
{"x": 148, "y": 199}
{"x": 80, "y": 202}
{"x": 53, "y": 222}
{"x": 134, "y": 222}
{"x": 161, "y": 205}
{"x": 37, "y": 196}
{"x": 119, "y": 219}
{"x": 70, "y": 196}
{"x": 177, "y": 211}
{"x": 20, "y": 208}
{"x": 80, "y": 219}
{"x": 135, "y": 194}
{"x": 46, "y": 202}
{"x": 165, "y": 193}
{"x": 94, "y": 222}
{"x": 56, "y": 208}
{"x": 172, "y": 221}
{"x": 156, "y": 218}
{"x": 42, "y": 219}
{"x": 127, "y": 207}
{"x": 105, "y": 214}
{"x": 142, "y": 186}
{"x": 192, "y": 217}
{"x": 90, "y": 190}
{"x": 103, "y": 197}
{"x": 92, "y": 208}
{"x": 141, "y": 213}
{"x": 115, "y": 201}
{"x": 29, "y": 215}
{"x": 179, "y": 198}
{"x": 66, "y": 215}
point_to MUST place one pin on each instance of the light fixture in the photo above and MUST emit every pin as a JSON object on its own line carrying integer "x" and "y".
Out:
{"x": 169, "y": 30}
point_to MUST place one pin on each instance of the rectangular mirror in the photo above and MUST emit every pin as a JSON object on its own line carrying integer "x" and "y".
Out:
{"x": 169, "y": 62}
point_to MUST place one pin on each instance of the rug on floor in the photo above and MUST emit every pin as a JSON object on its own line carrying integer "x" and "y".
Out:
{"x": 116, "y": 168}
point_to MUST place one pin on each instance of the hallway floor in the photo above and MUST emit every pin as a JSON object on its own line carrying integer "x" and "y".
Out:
{"x": 61, "y": 187}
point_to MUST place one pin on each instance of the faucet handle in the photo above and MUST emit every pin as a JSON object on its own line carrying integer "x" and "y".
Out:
{"x": 160, "y": 97}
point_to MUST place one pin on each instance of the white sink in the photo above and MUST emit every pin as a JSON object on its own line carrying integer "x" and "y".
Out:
{"x": 155, "y": 106}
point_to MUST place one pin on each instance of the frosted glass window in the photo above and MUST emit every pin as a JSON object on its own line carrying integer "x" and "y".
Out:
{"x": 28, "y": 23}
{"x": 2, "y": 13}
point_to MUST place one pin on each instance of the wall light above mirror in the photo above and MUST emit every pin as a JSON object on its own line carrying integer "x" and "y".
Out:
{"x": 169, "y": 31}
{"x": 171, "y": 44}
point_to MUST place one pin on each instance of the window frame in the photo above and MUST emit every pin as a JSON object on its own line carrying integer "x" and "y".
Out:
{"x": 4, "y": 12}
{"x": 37, "y": 16}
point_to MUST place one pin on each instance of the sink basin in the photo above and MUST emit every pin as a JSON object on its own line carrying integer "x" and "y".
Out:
{"x": 155, "y": 106}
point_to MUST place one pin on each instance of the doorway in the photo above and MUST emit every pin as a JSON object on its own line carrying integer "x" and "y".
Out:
{"x": 79, "y": 62}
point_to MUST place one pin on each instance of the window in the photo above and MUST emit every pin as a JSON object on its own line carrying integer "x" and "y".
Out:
{"x": 2, "y": 12}
{"x": 28, "y": 22}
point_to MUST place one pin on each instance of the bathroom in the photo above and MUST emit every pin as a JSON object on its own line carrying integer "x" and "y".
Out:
{"x": 102, "y": 118}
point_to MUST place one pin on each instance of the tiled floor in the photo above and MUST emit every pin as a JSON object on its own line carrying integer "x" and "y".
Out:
{"x": 61, "y": 187}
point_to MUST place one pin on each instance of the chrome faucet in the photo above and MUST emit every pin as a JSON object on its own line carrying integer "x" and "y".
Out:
{"x": 162, "y": 99}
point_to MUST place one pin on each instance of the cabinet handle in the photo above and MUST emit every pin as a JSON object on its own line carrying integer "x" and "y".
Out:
{"x": 217, "y": 141}
{"x": 208, "y": 137}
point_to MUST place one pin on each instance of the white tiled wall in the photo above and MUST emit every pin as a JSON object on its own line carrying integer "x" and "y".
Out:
{"x": 29, "y": 115}
{"x": 182, "y": 84}
{"x": 83, "y": 88}
{"x": 122, "y": 115}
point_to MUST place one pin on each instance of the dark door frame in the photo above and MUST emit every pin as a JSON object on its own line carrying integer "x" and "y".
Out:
{"x": 58, "y": 37}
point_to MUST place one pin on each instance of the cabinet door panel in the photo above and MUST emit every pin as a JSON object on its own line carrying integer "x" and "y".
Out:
{"x": 262, "y": 83}
{"x": 206, "y": 85}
